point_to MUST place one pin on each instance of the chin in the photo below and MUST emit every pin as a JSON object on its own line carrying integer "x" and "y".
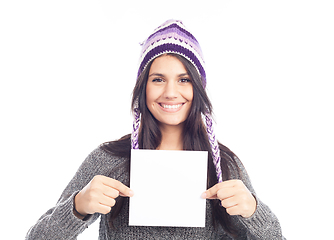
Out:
{"x": 172, "y": 123}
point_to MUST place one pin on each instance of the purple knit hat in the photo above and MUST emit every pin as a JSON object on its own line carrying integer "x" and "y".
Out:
{"x": 173, "y": 37}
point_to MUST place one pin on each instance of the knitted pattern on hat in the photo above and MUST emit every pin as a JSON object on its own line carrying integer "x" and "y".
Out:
{"x": 172, "y": 37}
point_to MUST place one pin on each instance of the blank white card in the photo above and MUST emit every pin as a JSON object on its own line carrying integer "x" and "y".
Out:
{"x": 167, "y": 188}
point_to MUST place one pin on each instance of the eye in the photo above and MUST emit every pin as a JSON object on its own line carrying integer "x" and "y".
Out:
{"x": 157, "y": 80}
{"x": 184, "y": 80}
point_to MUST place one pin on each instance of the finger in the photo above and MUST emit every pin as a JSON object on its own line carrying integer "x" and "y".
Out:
{"x": 107, "y": 201}
{"x": 225, "y": 193}
{"x": 229, "y": 202}
{"x": 234, "y": 210}
{"x": 123, "y": 189}
{"x": 110, "y": 192}
{"x": 103, "y": 209}
{"x": 211, "y": 193}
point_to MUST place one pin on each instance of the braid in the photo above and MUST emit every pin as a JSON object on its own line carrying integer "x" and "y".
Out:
{"x": 214, "y": 146}
{"x": 135, "y": 130}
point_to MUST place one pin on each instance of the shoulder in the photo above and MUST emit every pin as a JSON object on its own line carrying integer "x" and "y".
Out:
{"x": 102, "y": 162}
{"x": 99, "y": 162}
{"x": 100, "y": 156}
{"x": 120, "y": 147}
{"x": 232, "y": 162}
{"x": 235, "y": 167}
{"x": 230, "y": 157}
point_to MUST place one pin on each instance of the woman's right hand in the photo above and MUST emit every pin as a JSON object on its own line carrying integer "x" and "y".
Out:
{"x": 99, "y": 195}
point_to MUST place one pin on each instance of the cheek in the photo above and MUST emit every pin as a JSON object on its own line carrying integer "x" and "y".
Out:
{"x": 189, "y": 94}
{"x": 150, "y": 97}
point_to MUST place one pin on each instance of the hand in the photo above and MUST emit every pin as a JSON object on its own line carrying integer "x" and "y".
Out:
{"x": 234, "y": 196}
{"x": 99, "y": 195}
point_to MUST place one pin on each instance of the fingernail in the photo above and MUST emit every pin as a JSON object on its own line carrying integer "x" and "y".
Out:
{"x": 203, "y": 195}
{"x": 131, "y": 193}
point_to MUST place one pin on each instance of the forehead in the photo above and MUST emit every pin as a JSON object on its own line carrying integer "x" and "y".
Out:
{"x": 167, "y": 64}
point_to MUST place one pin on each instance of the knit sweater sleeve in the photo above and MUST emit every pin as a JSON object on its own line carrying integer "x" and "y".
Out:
{"x": 263, "y": 224}
{"x": 59, "y": 222}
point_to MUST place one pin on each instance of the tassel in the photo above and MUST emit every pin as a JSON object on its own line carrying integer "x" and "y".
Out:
{"x": 214, "y": 146}
{"x": 135, "y": 130}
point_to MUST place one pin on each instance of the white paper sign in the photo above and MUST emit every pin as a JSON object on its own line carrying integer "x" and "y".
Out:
{"x": 167, "y": 188}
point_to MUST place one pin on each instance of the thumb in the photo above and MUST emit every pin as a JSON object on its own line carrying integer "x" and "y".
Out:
{"x": 127, "y": 193}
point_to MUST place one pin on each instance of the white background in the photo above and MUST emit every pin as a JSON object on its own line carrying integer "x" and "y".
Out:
{"x": 67, "y": 69}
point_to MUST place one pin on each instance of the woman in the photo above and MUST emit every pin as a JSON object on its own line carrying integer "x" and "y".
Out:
{"x": 169, "y": 104}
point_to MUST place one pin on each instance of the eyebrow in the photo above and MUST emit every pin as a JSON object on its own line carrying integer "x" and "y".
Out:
{"x": 162, "y": 75}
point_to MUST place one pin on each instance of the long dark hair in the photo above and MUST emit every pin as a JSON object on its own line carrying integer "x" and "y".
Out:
{"x": 194, "y": 138}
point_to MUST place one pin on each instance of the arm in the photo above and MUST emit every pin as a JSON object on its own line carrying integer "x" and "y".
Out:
{"x": 263, "y": 224}
{"x": 254, "y": 219}
{"x": 62, "y": 221}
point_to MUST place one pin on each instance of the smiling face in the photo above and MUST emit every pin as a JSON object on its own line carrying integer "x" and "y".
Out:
{"x": 169, "y": 91}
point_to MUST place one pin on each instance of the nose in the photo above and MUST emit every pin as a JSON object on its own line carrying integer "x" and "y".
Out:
{"x": 171, "y": 90}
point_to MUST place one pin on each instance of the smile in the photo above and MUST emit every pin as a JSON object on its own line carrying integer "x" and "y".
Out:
{"x": 167, "y": 106}
{"x": 171, "y": 108}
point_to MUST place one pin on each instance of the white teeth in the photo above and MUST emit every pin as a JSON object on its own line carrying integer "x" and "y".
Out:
{"x": 171, "y": 106}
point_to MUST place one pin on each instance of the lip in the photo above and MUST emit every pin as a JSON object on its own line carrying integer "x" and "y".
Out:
{"x": 171, "y": 107}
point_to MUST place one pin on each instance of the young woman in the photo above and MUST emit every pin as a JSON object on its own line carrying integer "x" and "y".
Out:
{"x": 172, "y": 112}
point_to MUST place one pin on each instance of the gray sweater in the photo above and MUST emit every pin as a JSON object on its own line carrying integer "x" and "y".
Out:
{"x": 59, "y": 222}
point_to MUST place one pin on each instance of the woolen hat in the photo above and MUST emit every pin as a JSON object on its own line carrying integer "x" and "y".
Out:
{"x": 172, "y": 37}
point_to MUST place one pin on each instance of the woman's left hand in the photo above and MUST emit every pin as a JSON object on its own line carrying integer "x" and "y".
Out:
{"x": 234, "y": 196}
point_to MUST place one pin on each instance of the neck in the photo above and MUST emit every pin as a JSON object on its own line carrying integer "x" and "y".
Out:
{"x": 171, "y": 138}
